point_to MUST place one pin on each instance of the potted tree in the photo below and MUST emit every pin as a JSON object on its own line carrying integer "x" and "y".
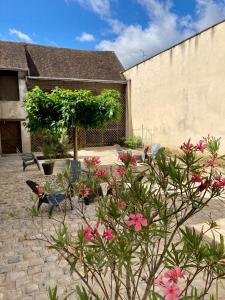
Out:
{"x": 70, "y": 109}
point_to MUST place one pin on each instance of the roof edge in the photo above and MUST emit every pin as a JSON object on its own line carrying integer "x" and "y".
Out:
{"x": 177, "y": 44}
{"x": 76, "y": 79}
{"x": 13, "y": 69}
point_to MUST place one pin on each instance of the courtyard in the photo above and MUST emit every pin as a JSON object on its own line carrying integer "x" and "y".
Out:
{"x": 27, "y": 267}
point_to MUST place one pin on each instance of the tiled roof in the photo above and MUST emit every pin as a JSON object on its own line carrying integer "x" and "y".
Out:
{"x": 46, "y": 61}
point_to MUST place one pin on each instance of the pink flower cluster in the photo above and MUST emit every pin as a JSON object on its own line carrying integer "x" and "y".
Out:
{"x": 90, "y": 234}
{"x": 101, "y": 173}
{"x": 120, "y": 171}
{"x": 128, "y": 159}
{"x": 92, "y": 162}
{"x": 188, "y": 147}
{"x": 217, "y": 182}
{"x": 171, "y": 290}
{"x": 82, "y": 189}
{"x": 40, "y": 190}
{"x": 137, "y": 220}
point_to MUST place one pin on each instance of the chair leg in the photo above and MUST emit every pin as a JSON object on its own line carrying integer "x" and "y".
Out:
{"x": 41, "y": 201}
{"x": 24, "y": 166}
{"x": 50, "y": 209}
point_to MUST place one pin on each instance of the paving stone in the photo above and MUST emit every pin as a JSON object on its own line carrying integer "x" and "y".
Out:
{"x": 22, "y": 266}
{"x": 42, "y": 296}
{"x": 16, "y": 275}
{"x": 35, "y": 262}
{"x": 13, "y": 259}
{"x": 50, "y": 258}
{"x": 4, "y": 269}
{"x": 34, "y": 270}
{"x": 31, "y": 288}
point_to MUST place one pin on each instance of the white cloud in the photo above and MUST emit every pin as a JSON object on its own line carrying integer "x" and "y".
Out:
{"x": 133, "y": 43}
{"x": 20, "y": 35}
{"x": 100, "y": 7}
{"x": 86, "y": 37}
{"x": 209, "y": 12}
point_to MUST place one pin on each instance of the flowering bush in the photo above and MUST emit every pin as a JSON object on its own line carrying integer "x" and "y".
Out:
{"x": 138, "y": 246}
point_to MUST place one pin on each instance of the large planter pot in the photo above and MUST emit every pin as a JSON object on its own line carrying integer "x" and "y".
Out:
{"x": 48, "y": 168}
{"x": 90, "y": 198}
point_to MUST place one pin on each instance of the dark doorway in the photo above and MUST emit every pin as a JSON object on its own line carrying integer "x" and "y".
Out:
{"x": 10, "y": 136}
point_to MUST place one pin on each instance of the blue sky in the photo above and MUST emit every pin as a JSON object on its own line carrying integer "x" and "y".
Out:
{"x": 134, "y": 29}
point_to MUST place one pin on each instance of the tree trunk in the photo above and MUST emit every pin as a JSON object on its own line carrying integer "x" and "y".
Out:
{"x": 75, "y": 145}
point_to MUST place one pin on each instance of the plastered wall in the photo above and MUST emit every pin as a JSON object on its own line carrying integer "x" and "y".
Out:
{"x": 180, "y": 93}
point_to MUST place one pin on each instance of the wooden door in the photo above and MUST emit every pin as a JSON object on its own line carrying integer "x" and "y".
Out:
{"x": 10, "y": 136}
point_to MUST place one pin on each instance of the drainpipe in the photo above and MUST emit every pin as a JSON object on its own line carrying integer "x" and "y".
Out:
{"x": 129, "y": 129}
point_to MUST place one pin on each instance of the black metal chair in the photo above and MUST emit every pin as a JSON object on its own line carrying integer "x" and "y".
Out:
{"x": 28, "y": 159}
{"x": 51, "y": 199}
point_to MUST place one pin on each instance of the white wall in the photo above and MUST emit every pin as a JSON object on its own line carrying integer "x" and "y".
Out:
{"x": 180, "y": 93}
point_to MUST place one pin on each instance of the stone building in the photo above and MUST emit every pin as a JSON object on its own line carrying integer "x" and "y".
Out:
{"x": 23, "y": 66}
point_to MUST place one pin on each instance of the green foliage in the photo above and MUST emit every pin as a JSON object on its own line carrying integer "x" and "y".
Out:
{"x": 33, "y": 211}
{"x": 55, "y": 144}
{"x": 43, "y": 111}
{"x": 70, "y": 108}
{"x": 132, "y": 142}
{"x": 13, "y": 213}
{"x": 52, "y": 293}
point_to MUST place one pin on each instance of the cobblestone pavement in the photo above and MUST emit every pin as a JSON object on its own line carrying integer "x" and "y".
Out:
{"x": 27, "y": 266}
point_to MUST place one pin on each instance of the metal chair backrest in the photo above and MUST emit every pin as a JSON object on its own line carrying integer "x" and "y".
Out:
{"x": 154, "y": 149}
{"x": 33, "y": 185}
{"x": 75, "y": 166}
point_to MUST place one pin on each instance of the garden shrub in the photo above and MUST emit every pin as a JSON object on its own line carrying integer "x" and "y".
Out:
{"x": 132, "y": 142}
{"x": 138, "y": 246}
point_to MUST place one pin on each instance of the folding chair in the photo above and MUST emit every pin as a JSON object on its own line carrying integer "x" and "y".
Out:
{"x": 51, "y": 199}
{"x": 28, "y": 159}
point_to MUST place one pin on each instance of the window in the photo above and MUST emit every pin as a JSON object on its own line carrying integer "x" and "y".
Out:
{"x": 9, "y": 90}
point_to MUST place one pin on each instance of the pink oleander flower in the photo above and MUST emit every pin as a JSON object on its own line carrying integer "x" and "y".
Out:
{"x": 204, "y": 185}
{"x": 159, "y": 281}
{"x": 174, "y": 274}
{"x": 123, "y": 156}
{"x": 188, "y": 147}
{"x": 120, "y": 171}
{"x": 196, "y": 178}
{"x": 171, "y": 291}
{"x": 201, "y": 146}
{"x": 133, "y": 160}
{"x": 101, "y": 173}
{"x": 108, "y": 234}
{"x": 92, "y": 162}
{"x": 210, "y": 163}
{"x": 122, "y": 204}
{"x": 88, "y": 233}
{"x": 83, "y": 189}
{"x": 137, "y": 220}
{"x": 219, "y": 182}
{"x": 40, "y": 189}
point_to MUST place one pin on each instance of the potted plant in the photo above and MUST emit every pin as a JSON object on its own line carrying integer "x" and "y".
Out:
{"x": 49, "y": 150}
{"x": 48, "y": 165}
